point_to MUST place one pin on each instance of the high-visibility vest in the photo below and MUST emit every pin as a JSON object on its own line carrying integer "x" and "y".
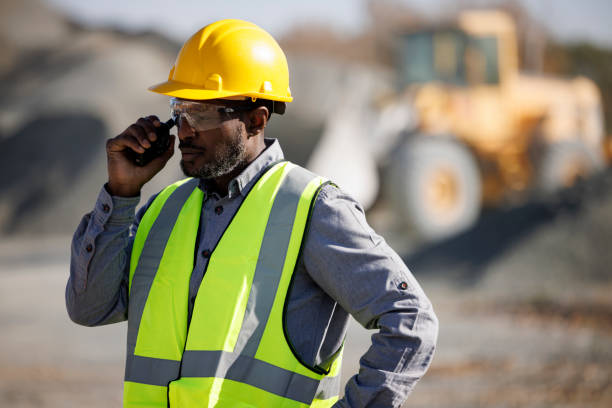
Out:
{"x": 234, "y": 351}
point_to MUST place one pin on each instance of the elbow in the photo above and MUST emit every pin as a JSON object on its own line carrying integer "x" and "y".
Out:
{"x": 434, "y": 325}
{"x": 78, "y": 319}
{"x": 76, "y": 316}
{"x": 75, "y": 311}
{"x": 85, "y": 310}
{"x": 427, "y": 325}
{"x": 82, "y": 319}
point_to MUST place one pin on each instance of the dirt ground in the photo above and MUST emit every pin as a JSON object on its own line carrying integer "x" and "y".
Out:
{"x": 524, "y": 307}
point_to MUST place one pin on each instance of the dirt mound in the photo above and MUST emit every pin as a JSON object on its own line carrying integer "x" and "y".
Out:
{"x": 64, "y": 89}
{"x": 558, "y": 244}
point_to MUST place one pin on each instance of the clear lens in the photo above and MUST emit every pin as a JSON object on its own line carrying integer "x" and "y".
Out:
{"x": 199, "y": 115}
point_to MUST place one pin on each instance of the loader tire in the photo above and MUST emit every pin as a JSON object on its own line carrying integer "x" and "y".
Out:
{"x": 435, "y": 186}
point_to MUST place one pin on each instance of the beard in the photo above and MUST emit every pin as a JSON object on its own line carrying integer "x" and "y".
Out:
{"x": 226, "y": 159}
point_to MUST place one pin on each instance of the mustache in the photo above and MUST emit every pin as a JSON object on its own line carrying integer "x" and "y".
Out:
{"x": 187, "y": 145}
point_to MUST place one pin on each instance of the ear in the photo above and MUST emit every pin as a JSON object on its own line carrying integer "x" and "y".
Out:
{"x": 257, "y": 119}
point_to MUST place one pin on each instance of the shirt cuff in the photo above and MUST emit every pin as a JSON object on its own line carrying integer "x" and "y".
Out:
{"x": 114, "y": 209}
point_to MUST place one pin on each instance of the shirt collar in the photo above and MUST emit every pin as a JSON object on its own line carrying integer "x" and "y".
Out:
{"x": 242, "y": 183}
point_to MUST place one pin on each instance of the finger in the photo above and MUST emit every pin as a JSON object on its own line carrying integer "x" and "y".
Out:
{"x": 140, "y": 134}
{"x": 123, "y": 141}
{"x": 155, "y": 120}
{"x": 148, "y": 127}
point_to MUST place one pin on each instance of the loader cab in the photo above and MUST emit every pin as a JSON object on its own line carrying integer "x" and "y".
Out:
{"x": 450, "y": 56}
{"x": 461, "y": 77}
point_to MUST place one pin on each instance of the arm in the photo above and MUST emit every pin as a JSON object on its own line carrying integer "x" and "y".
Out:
{"x": 357, "y": 268}
{"x": 96, "y": 292}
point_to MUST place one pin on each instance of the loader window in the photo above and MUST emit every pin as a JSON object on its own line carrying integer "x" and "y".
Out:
{"x": 432, "y": 56}
{"x": 481, "y": 61}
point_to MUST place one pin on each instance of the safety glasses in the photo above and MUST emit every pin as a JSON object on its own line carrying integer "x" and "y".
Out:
{"x": 201, "y": 115}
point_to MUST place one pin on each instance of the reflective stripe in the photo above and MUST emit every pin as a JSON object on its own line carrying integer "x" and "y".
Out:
{"x": 248, "y": 370}
{"x": 153, "y": 371}
{"x": 149, "y": 260}
{"x": 271, "y": 260}
{"x": 221, "y": 364}
{"x": 328, "y": 387}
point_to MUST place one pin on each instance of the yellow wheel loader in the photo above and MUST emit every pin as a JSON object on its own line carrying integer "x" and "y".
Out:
{"x": 464, "y": 128}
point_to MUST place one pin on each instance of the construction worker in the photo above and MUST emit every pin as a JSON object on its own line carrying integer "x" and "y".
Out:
{"x": 237, "y": 282}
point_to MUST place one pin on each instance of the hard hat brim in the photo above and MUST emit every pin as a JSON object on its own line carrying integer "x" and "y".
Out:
{"x": 187, "y": 91}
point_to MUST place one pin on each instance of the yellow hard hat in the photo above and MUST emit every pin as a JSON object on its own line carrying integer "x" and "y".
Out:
{"x": 226, "y": 59}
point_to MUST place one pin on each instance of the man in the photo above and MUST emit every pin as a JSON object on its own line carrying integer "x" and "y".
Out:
{"x": 237, "y": 283}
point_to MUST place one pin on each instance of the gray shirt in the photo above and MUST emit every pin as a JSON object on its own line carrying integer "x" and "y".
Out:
{"x": 345, "y": 268}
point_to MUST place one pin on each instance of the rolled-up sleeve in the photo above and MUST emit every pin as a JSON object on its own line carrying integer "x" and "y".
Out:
{"x": 358, "y": 269}
{"x": 96, "y": 292}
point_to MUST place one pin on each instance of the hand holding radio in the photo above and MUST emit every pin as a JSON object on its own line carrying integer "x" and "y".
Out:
{"x": 137, "y": 154}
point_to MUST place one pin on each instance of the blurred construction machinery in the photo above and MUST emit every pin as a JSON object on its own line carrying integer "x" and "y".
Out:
{"x": 461, "y": 127}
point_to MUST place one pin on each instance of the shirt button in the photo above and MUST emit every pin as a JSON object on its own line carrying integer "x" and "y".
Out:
{"x": 89, "y": 248}
{"x": 106, "y": 208}
{"x": 206, "y": 253}
{"x": 403, "y": 285}
{"x": 218, "y": 209}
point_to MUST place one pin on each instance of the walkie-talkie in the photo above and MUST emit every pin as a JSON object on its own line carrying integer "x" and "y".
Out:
{"x": 158, "y": 147}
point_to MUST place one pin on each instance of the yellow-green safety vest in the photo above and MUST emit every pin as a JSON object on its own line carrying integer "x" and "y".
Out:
{"x": 234, "y": 351}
